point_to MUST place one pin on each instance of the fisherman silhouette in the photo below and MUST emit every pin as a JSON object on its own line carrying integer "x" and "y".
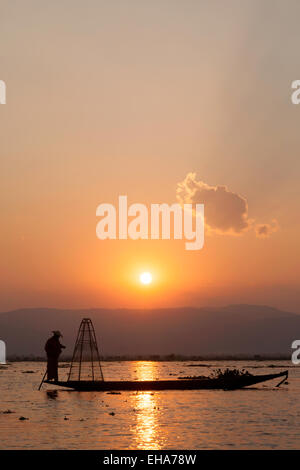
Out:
{"x": 53, "y": 348}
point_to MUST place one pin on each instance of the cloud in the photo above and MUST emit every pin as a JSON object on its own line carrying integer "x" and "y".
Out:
{"x": 226, "y": 212}
{"x": 265, "y": 230}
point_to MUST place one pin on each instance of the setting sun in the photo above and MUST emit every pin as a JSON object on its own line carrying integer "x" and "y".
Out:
{"x": 146, "y": 278}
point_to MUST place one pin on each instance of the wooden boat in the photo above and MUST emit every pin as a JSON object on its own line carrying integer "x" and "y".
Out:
{"x": 232, "y": 383}
{"x": 86, "y": 359}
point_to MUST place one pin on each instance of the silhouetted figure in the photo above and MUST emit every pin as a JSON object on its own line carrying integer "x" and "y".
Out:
{"x": 53, "y": 349}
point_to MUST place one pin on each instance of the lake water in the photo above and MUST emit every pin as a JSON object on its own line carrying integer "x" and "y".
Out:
{"x": 264, "y": 417}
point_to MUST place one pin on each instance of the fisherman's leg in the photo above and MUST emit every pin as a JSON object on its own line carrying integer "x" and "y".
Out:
{"x": 51, "y": 368}
{"x": 48, "y": 370}
{"x": 55, "y": 371}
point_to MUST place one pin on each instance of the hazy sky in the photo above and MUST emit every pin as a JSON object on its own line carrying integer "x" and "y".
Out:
{"x": 129, "y": 97}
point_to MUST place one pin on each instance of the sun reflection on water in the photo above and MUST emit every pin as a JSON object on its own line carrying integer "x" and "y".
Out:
{"x": 146, "y": 407}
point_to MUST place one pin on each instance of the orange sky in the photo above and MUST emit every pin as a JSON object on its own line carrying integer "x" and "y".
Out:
{"x": 115, "y": 99}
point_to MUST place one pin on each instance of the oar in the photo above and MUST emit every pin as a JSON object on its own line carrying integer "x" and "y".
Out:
{"x": 285, "y": 378}
{"x": 43, "y": 380}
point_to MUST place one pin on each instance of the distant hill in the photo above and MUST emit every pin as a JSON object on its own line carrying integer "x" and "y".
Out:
{"x": 235, "y": 329}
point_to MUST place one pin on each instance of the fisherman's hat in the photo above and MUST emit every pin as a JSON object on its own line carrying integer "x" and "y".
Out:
{"x": 57, "y": 333}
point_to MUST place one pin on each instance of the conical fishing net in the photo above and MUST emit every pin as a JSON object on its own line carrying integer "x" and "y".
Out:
{"x": 85, "y": 363}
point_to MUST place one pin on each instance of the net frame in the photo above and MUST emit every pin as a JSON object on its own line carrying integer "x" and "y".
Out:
{"x": 86, "y": 354}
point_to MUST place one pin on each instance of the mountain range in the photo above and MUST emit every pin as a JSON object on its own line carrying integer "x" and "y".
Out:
{"x": 234, "y": 329}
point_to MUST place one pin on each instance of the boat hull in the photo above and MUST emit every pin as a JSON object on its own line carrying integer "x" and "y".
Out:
{"x": 179, "y": 384}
